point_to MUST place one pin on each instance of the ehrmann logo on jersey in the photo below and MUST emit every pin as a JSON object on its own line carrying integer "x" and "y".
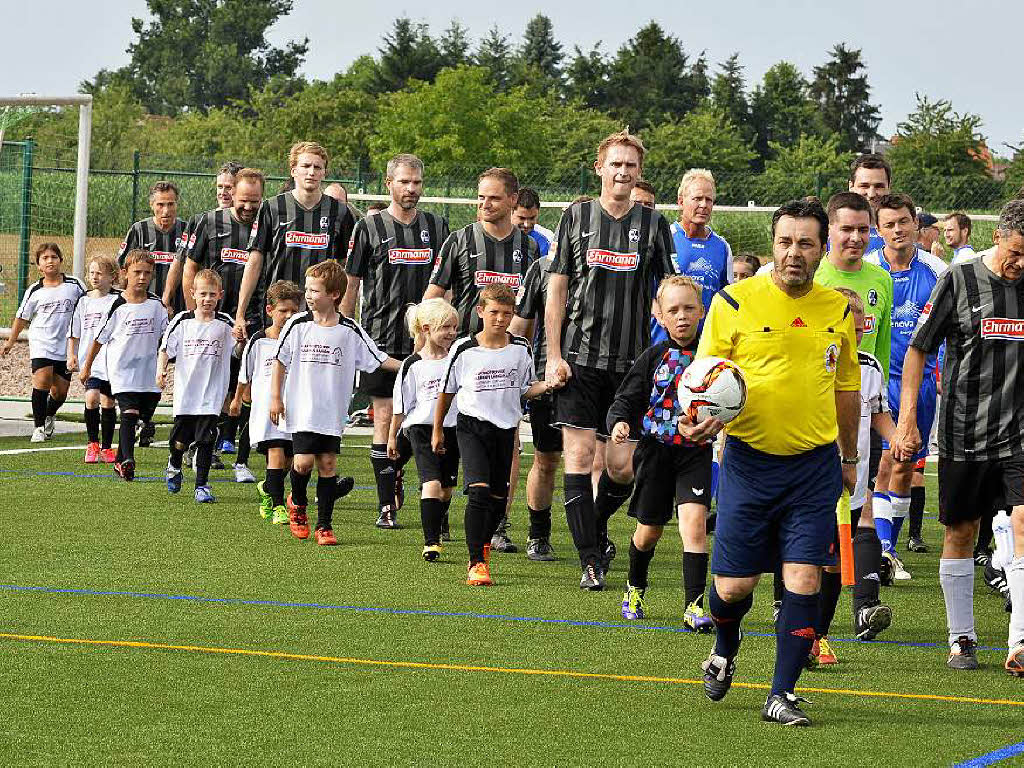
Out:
{"x": 306, "y": 240}
{"x": 613, "y": 260}
{"x": 484, "y": 277}
{"x": 415, "y": 256}
{"x": 233, "y": 256}
{"x": 163, "y": 257}
{"x": 1003, "y": 328}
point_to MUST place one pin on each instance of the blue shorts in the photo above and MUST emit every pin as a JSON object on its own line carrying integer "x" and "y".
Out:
{"x": 926, "y": 400}
{"x": 772, "y": 507}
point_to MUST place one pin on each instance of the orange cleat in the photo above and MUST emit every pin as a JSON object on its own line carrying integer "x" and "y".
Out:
{"x": 325, "y": 537}
{"x": 297, "y": 522}
{"x": 92, "y": 453}
{"x": 108, "y": 455}
{"x": 479, "y": 575}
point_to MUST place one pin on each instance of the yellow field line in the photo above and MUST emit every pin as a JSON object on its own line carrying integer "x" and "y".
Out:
{"x": 471, "y": 668}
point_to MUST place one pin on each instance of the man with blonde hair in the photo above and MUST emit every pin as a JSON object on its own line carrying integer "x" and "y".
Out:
{"x": 294, "y": 230}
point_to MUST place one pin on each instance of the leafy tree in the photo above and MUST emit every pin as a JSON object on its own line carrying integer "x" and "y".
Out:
{"x": 700, "y": 83}
{"x": 649, "y": 79}
{"x": 454, "y": 45}
{"x": 495, "y": 53}
{"x": 201, "y": 54}
{"x": 587, "y": 78}
{"x": 574, "y": 135}
{"x": 540, "y": 50}
{"x": 934, "y": 139}
{"x": 782, "y": 110}
{"x": 408, "y": 53}
{"x": 812, "y": 164}
{"x": 704, "y": 138}
{"x": 728, "y": 93}
{"x": 840, "y": 87}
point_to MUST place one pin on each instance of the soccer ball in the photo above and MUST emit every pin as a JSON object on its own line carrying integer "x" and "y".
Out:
{"x": 712, "y": 387}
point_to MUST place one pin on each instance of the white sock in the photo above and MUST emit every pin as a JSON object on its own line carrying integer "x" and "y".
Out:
{"x": 1015, "y": 578}
{"x": 956, "y": 575}
{"x": 900, "y": 505}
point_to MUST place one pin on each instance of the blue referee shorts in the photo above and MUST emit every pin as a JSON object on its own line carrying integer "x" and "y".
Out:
{"x": 772, "y": 507}
{"x": 926, "y": 402}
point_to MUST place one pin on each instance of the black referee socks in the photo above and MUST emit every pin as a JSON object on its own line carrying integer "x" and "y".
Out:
{"x": 39, "y": 398}
{"x": 794, "y": 636}
{"x": 92, "y": 424}
{"x": 579, "y": 514}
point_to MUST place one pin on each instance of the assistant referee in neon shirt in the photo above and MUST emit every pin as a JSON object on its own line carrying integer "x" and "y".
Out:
{"x": 782, "y": 471}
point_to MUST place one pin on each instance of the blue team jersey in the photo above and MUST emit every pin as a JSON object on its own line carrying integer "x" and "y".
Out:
{"x": 543, "y": 244}
{"x": 911, "y": 290}
{"x": 708, "y": 260}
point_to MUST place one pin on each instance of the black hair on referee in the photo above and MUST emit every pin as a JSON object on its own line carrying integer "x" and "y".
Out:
{"x": 803, "y": 209}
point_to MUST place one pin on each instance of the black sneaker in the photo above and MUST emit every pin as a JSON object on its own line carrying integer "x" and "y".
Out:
{"x": 784, "y": 708}
{"x": 146, "y": 435}
{"x": 871, "y": 620}
{"x": 718, "y": 673}
{"x": 886, "y": 572}
{"x": 216, "y": 462}
{"x": 343, "y": 486}
{"x": 539, "y": 550}
{"x": 995, "y": 578}
{"x": 608, "y": 553}
{"x": 963, "y": 654}
{"x": 916, "y": 545}
{"x": 982, "y": 557}
{"x": 388, "y": 520}
{"x": 592, "y": 578}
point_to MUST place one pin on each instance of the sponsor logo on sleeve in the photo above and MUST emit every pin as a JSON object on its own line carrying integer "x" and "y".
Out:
{"x": 831, "y": 358}
{"x": 616, "y": 262}
{"x": 414, "y": 256}
{"x": 484, "y": 277}
{"x": 307, "y": 240}
{"x": 1002, "y": 328}
{"x": 233, "y": 256}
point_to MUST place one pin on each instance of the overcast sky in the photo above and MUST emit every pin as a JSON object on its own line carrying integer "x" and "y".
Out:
{"x": 937, "y": 48}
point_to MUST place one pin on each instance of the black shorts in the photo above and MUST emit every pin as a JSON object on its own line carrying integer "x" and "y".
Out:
{"x": 101, "y": 384}
{"x": 265, "y": 446}
{"x": 969, "y": 490}
{"x": 143, "y": 402}
{"x": 199, "y": 429}
{"x": 546, "y": 438}
{"x": 586, "y": 398}
{"x": 60, "y": 367}
{"x": 486, "y": 452}
{"x": 379, "y": 383}
{"x": 655, "y": 464}
{"x": 429, "y": 465}
{"x": 314, "y": 443}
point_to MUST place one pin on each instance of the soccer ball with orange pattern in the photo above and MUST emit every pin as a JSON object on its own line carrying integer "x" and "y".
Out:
{"x": 712, "y": 387}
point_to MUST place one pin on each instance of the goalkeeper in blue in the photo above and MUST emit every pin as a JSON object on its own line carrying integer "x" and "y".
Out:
{"x": 646, "y": 409}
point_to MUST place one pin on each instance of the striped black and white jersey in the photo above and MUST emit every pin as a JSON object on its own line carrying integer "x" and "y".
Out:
{"x": 981, "y": 318}
{"x": 256, "y": 370}
{"x": 201, "y": 351}
{"x": 530, "y": 300}
{"x": 293, "y": 238}
{"x": 488, "y": 383}
{"x": 220, "y": 242}
{"x": 394, "y": 261}
{"x": 322, "y": 361}
{"x": 131, "y": 334}
{"x": 612, "y": 266}
{"x": 50, "y": 309}
{"x": 417, "y": 386}
{"x": 470, "y": 259}
{"x": 164, "y": 245}
{"x": 89, "y": 316}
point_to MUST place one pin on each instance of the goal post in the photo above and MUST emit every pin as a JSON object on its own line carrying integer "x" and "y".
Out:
{"x": 84, "y": 104}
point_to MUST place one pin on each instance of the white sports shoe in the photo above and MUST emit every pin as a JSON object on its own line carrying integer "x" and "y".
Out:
{"x": 243, "y": 474}
{"x": 48, "y": 426}
{"x": 39, "y": 435}
{"x": 899, "y": 571}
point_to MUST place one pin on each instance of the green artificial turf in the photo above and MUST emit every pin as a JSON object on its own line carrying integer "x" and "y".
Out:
{"x": 69, "y": 526}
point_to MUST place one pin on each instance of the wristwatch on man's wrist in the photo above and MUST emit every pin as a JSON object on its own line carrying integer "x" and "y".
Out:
{"x": 852, "y": 460}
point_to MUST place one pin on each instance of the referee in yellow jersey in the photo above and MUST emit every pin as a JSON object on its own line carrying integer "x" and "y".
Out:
{"x": 782, "y": 471}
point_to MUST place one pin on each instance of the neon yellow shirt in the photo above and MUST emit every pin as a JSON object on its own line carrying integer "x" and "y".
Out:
{"x": 795, "y": 355}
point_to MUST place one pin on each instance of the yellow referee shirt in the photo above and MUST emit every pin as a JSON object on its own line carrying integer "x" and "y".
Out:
{"x": 795, "y": 354}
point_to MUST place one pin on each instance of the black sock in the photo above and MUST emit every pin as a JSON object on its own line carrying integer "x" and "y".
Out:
{"x": 52, "y": 406}
{"x": 177, "y": 452}
{"x": 108, "y": 420}
{"x": 445, "y": 506}
{"x": 204, "y": 457}
{"x": 244, "y": 447}
{"x": 695, "y": 575}
{"x": 384, "y": 473}
{"x": 639, "y": 565}
{"x": 404, "y": 451}
{"x": 828, "y": 599}
{"x": 92, "y": 424}
{"x": 579, "y": 514}
{"x": 228, "y": 428}
{"x": 325, "y": 487}
{"x": 430, "y": 517}
{"x": 299, "y": 483}
{"x": 126, "y": 437}
{"x": 610, "y": 496}
{"x": 777, "y": 584}
{"x": 916, "y": 511}
{"x": 867, "y": 557}
{"x": 478, "y": 510}
{"x": 984, "y": 532}
{"x": 727, "y": 617}
{"x": 39, "y": 400}
{"x": 540, "y": 523}
{"x": 498, "y": 506}
{"x": 274, "y": 486}
{"x": 794, "y": 636}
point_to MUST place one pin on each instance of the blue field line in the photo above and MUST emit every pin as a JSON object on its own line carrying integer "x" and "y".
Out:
{"x": 1004, "y": 753}
{"x": 138, "y": 478}
{"x": 431, "y": 613}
